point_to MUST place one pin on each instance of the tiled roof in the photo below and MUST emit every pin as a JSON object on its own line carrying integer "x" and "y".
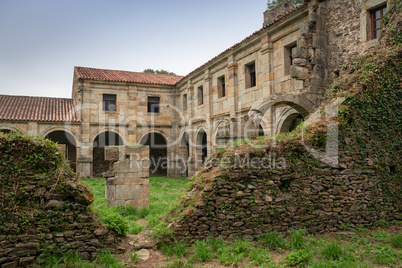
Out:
{"x": 253, "y": 34}
{"x": 24, "y": 108}
{"x": 126, "y": 76}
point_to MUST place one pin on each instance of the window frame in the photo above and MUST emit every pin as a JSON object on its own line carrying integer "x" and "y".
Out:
{"x": 151, "y": 107}
{"x": 222, "y": 87}
{"x": 107, "y": 101}
{"x": 251, "y": 74}
{"x": 200, "y": 94}
{"x": 373, "y": 21}
{"x": 184, "y": 102}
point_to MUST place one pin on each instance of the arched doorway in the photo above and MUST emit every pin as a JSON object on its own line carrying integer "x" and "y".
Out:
{"x": 103, "y": 140}
{"x": 157, "y": 153}
{"x": 185, "y": 152}
{"x": 67, "y": 145}
{"x": 202, "y": 146}
{"x": 261, "y": 132}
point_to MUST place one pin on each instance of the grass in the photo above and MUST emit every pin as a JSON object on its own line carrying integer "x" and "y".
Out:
{"x": 163, "y": 192}
{"x": 366, "y": 248}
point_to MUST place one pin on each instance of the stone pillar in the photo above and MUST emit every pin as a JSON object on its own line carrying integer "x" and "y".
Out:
{"x": 130, "y": 184}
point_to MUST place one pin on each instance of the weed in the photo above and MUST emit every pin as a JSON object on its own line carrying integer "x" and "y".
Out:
{"x": 179, "y": 263}
{"x": 135, "y": 258}
{"x": 259, "y": 256}
{"x": 397, "y": 240}
{"x": 202, "y": 251}
{"x": 297, "y": 238}
{"x": 381, "y": 236}
{"x": 177, "y": 248}
{"x": 338, "y": 264}
{"x": 116, "y": 223}
{"x": 384, "y": 254}
{"x": 332, "y": 251}
{"x": 298, "y": 257}
{"x": 273, "y": 240}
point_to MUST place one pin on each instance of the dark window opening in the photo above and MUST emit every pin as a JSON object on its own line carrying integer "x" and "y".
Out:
{"x": 185, "y": 102}
{"x": 200, "y": 95}
{"x": 376, "y": 21}
{"x": 153, "y": 104}
{"x": 251, "y": 77}
{"x": 204, "y": 150}
{"x": 109, "y": 102}
{"x": 221, "y": 87}
{"x": 291, "y": 55}
{"x": 295, "y": 123}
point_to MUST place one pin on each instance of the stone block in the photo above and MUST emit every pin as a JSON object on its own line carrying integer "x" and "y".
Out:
{"x": 298, "y": 72}
{"x": 140, "y": 203}
{"x": 128, "y": 192}
{"x": 110, "y": 192}
{"x": 145, "y": 191}
{"x": 114, "y": 181}
{"x": 113, "y": 153}
{"x": 136, "y": 181}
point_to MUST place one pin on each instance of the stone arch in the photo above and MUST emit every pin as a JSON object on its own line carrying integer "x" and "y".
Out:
{"x": 201, "y": 141}
{"x": 102, "y": 140}
{"x": 149, "y": 131}
{"x": 67, "y": 144}
{"x": 70, "y": 131}
{"x": 221, "y": 134}
{"x": 122, "y": 134}
{"x": 300, "y": 103}
{"x": 288, "y": 120}
{"x": 157, "y": 152}
{"x": 8, "y": 129}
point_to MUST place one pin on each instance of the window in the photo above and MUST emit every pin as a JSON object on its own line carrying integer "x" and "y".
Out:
{"x": 250, "y": 75}
{"x": 153, "y": 104}
{"x": 376, "y": 21}
{"x": 200, "y": 95}
{"x": 185, "y": 102}
{"x": 289, "y": 57}
{"x": 109, "y": 102}
{"x": 221, "y": 87}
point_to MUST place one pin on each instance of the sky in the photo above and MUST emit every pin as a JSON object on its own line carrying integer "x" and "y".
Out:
{"x": 42, "y": 40}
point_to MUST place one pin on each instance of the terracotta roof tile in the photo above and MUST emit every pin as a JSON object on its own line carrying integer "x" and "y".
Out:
{"x": 25, "y": 108}
{"x": 126, "y": 76}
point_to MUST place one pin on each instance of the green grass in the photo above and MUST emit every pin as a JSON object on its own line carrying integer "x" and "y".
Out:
{"x": 163, "y": 192}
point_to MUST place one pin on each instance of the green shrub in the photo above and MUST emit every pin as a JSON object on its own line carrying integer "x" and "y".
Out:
{"x": 298, "y": 257}
{"x": 297, "y": 239}
{"x": 202, "y": 251}
{"x": 381, "y": 236}
{"x": 397, "y": 240}
{"x": 135, "y": 258}
{"x": 116, "y": 223}
{"x": 384, "y": 254}
{"x": 332, "y": 251}
{"x": 106, "y": 259}
{"x": 273, "y": 240}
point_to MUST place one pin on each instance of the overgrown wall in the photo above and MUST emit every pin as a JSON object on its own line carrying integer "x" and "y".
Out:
{"x": 43, "y": 208}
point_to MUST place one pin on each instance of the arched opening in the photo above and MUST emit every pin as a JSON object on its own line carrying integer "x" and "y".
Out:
{"x": 5, "y": 131}
{"x": 67, "y": 145}
{"x": 157, "y": 153}
{"x": 261, "y": 132}
{"x": 185, "y": 152}
{"x": 291, "y": 122}
{"x": 103, "y": 140}
{"x": 202, "y": 147}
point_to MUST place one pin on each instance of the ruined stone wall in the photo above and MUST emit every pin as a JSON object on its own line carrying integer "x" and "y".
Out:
{"x": 43, "y": 208}
{"x": 245, "y": 202}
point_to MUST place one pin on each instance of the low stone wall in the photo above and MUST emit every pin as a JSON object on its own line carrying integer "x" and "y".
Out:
{"x": 245, "y": 202}
{"x": 59, "y": 220}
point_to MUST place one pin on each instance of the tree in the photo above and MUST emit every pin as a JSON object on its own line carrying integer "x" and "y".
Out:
{"x": 273, "y": 3}
{"x": 161, "y": 71}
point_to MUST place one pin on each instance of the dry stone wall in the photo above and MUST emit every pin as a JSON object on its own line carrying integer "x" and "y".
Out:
{"x": 243, "y": 201}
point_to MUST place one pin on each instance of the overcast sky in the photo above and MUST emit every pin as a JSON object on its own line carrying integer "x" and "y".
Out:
{"x": 42, "y": 40}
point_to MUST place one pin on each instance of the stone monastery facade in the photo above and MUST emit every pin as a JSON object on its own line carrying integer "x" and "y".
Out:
{"x": 278, "y": 73}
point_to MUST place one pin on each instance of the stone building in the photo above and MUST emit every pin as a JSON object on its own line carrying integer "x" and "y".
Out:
{"x": 277, "y": 73}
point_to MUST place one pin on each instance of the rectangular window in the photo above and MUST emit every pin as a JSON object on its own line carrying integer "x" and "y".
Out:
{"x": 200, "y": 95}
{"x": 221, "y": 87}
{"x": 250, "y": 75}
{"x": 153, "y": 104}
{"x": 185, "y": 102}
{"x": 109, "y": 102}
{"x": 376, "y": 21}
{"x": 289, "y": 57}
